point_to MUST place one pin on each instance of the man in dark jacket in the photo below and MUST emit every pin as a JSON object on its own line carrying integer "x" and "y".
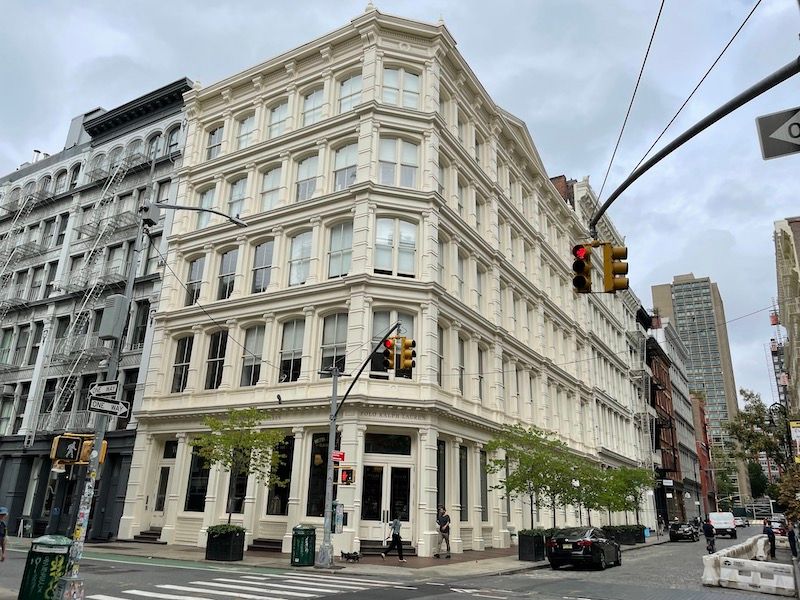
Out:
{"x": 792, "y": 539}
{"x": 770, "y": 536}
{"x": 709, "y": 532}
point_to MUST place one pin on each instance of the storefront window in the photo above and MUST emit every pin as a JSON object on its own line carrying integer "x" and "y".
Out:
{"x": 441, "y": 472}
{"x": 198, "y": 484}
{"x": 278, "y": 498}
{"x": 463, "y": 483}
{"x": 315, "y": 507}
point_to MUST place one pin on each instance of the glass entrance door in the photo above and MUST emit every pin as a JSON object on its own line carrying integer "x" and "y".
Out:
{"x": 160, "y": 497}
{"x": 385, "y": 494}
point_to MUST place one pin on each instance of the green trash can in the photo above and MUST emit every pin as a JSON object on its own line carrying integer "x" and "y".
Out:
{"x": 45, "y": 565}
{"x": 304, "y": 539}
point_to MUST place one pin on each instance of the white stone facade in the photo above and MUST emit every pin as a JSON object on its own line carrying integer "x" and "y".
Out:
{"x": 403, "y": 193}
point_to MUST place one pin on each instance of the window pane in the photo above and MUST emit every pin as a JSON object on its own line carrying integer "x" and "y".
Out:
{"x": 341, "y": 249}
{"x": 198, "y": 484}
{"x": 262, "y": 267}
{"x": 270, "y": 188}
{"x": 388, "y": 150}
{"x": 291, "y": 350}
{"x": 206, "y": 201}
{"x": 300, "y": 258}
{"x": 384, "y": 243}
{"x": 251, "y": 359}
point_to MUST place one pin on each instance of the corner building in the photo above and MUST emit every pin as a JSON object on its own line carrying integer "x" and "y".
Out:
{"x": 379, "y": 183}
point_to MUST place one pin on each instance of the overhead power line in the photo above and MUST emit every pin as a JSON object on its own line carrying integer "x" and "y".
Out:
{"x": 633, "y": 97}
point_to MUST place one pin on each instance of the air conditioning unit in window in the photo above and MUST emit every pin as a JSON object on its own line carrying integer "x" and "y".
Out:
{"x": 8, "y": 390}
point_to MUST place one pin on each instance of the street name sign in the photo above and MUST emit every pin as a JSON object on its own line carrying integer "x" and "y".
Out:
{"x": 337, "y": 455}
{"x": 104, "y": 389}
{"x": 115, "y": 408}
{"x": 779, "y": 133}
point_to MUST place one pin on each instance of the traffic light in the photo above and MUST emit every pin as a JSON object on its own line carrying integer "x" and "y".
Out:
{"x": 388, "y": 354}
{"x": 582, "y": 268}
{"x": 66, "y": 448}
{"x": 407, "y": 354}
{"x": 86, "y": 450}
{"x": 614, "y": 268}
{"x": 347, "y": 477}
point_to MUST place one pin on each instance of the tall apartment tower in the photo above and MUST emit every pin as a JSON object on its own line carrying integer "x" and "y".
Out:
{"x": 694, "y": 305}
{"x": 787, "y": 264}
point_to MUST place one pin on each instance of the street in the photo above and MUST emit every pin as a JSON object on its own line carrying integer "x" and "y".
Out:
{"x": 670, "y": 571}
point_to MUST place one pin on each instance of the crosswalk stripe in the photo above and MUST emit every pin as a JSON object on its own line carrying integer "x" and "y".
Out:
{"x": 227, "y": 593}
{"x": 145, "y": 594}
{"x": 103, "y": 597}
{"x": 339, "y": 578}
{"x": 252, "y": 589}
{"x": 270, "y": 584}
{"x": 344, "y": 585}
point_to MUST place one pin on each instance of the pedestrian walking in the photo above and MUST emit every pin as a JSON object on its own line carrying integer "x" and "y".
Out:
{"x": 768, "y": 531}
{"x": 3, "y": 531}
{"x": 394, "y": 527}
{"x": 792, "y": 535}
{"x": 709, "y": 532}
{"x": 660, "y": 524}
{"x": 443, "y": 525}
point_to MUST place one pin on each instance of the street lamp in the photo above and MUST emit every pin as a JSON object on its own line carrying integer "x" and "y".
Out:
{"x": 71, "y": 584}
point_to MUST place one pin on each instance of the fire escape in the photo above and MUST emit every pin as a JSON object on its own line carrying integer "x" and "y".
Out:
{"x": 78, "y": 347}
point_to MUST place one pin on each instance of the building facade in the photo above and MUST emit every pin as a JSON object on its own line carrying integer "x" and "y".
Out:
{"x": 689, "y": 489}
{"x": 787, "y": 265}
{"x": 695, "y": 306}
{"x": 68, "y": 229}
{"x": 705, "y": 469}
{"x": 380, "y": 184}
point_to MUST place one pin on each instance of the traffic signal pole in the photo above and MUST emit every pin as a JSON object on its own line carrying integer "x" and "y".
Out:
{"x": 324, "y": 558}
{"x": 766, "y": 84}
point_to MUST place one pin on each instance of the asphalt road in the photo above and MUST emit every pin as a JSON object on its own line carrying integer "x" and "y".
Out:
{"x": 666, "y": 572}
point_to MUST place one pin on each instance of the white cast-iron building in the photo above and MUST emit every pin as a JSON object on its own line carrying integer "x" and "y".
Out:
{"x": 380, "y": 183}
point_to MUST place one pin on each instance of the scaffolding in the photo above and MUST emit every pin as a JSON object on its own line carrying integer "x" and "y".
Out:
{"x": 72, "y": 353}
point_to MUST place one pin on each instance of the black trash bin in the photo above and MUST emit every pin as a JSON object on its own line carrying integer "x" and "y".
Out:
{"x": 304, "y": 539}
{"x": 45, "y": 565}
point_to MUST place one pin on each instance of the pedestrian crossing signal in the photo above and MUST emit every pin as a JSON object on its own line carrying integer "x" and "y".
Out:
{"x": 66, "y": 448}
{"x": 347, "y": 476}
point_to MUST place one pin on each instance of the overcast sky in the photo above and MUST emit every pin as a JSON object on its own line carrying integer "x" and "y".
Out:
{"x": 567, "y": 68}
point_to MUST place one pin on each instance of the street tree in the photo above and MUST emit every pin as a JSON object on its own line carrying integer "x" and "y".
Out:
{"x": 631, "y": 483}
{"x": 723, "y": 468}
{"x": 238, "y": 443}
{"x": 758, "y": 480}
{"x": 755, "y": 429}
{"x": 534, "y": 465}
{"x": 789, "y": 492}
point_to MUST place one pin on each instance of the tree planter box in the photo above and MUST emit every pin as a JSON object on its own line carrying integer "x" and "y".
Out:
{"x": 626, "y": 536}
{"x": 531, "y": 547}
{"x": 226, "y": 546}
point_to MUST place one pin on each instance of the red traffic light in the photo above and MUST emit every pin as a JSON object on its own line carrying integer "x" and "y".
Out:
{"x": 579, "y": 252}
{"x": 388, "y": 344}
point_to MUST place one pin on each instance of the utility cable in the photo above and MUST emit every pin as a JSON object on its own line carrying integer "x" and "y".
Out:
{"x": 633, "y": 96}
{"x": 699, "y": 83}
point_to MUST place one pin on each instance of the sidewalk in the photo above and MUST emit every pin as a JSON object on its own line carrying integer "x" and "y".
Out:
{"x": 492, "y": 561}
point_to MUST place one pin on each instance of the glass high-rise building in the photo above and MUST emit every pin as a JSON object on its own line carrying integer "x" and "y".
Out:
{"x": 695, "y": 306}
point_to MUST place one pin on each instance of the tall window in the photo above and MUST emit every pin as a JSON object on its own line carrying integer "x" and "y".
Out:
{"x": 334, "y": 342}
{"x": 400, "y": 87}
{"x": 398, "y": 162}
{"x": 36, "y": 342}
{"x": 439, "y": 354}
{"x": 180, "y": 369}
{"x": 251, "y": 358}
{"x": 460, "y": 268}
{"x": 462, "y": 363}
{"x": 480, "y": 285}
{"x": 194, "y": 280}
{"x": 140, "y": 326}
{"x": 312, "y": 107}
{"x": 461, "y": 196}
{"x": 227, "y": 274}
{"x": 481, "y": 372}
{"x": 214, "y": 146}
{"x": 152, "y": 146}
{"x": 236, "y": 199}
{"x": 36, "y": 284}
{"x": 395, "y": 247}
{"x": 306, "y": 178}
{"x": 206, "y": 201}
{"x": 341, "y": 249}
{"x": 74, "y": 173}
{"x": 292, "y": 350}
{"x": 172, "y": 140}
{"x": 278, "y": 496}
{"x": 216, "y": 359}
{"x": 349, "y": 92}
{"x": 262, "y": 267}
{"x": 463, "y": 483}
{"x": 441, "y": 472}
{"x": 270, "y": 188}
{"x": 344, "y": 174}
{"x": 480, "y": 207}
{"x": 300, "y": 259}
{"x": 246, "y": 133}
{"x": 484, "y": 488}
{"x": 5, "y": 345}
{"x": 62, "y": 229}
{"x": 198, "y": 484}
{"x": 278, "y": 115}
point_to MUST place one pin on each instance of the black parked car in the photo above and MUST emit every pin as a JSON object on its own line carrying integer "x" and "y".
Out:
{"x": 582, "y": 545}
{"x": 683, "y": 531}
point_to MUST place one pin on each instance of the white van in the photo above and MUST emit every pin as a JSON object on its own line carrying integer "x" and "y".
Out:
{"x": 723, "y": 523}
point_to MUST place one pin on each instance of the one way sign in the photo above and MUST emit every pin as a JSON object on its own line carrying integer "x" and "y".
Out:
{"x": 779, "y": 133}
{"x": 115, "y": 408}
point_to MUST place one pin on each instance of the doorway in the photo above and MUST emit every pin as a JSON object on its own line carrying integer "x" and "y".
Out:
{"x": 385, "y": 494}
{"x": 162, "y": 483}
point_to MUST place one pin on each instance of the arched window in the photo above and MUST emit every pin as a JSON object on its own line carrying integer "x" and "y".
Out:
{"x": 214, "y": 145}
{"x": 349, "y": 92}
{"x": 28, "y": 189}
{"x": 399, "y": 160}
{"x": 344, "y": 173}
{"x": 216, "y": 359}
{"x": 278, "y": 117}
{"x": 300, "y": 258}
{"x": 236, "y": 197}
{"x": 270, "y": 189}
{"x": 74, "y": 173}
{"x": 251, "y": 356}
{"x": 114, "y": 158}
{"x": 227, "y": 274}
{"x": 180, "y": 368}
{"x": 400, "y": 87}
{"x": 61, "y": 182}
{"x": 291, "y": 350}
{"x": 246, "y": 134}
{"x": 134, "y": 147}
{"x": 44, "y": 183}
{"x": 172, "y": 139}
{"x": 312, "y": 106}
{"x": 262, "y": 266}
{"x": 206, "y": 200}
{"x": 152, "y": 146}
{"x": 306, "y": 178}
{"x": 341, "y": 249}
{"x": 395, "y": 247}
